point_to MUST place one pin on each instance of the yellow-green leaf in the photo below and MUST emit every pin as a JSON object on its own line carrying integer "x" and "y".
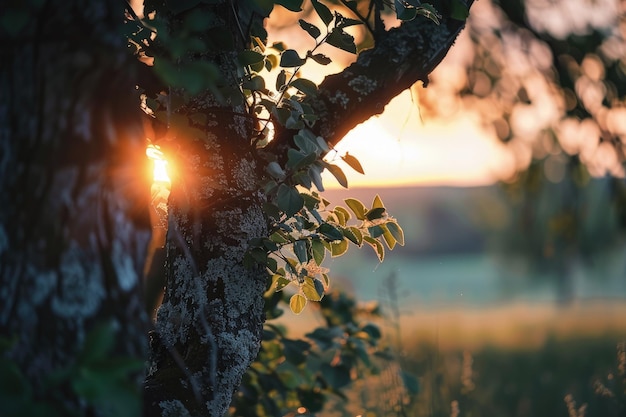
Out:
{"x": 346, "y": 213}
{"x": 313, "y": 289}
{"x": 377, "y": 203}
{"x": 339, "y": 248}
{"x": 279, "y": 282}
{"x": 297, "y": 303}
{"x": 388, "y": 237}
{"x": 319, "y": 251}
{"x": 353, "y": 162}
{"x": 357, "y": 208}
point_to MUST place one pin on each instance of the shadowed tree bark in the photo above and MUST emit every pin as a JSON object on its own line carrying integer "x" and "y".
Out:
{"x": 72, "y": 236}
{"x": 73, "y": 197}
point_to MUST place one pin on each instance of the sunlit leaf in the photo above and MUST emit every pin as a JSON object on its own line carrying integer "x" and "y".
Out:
{"x": 297, "y": 303}
{"x": 280, "y": 282}
{"x": 338, "y": 174}
{"x": 388, "y": 237}
{"x": 378, "y": 202}
{"x": 353, "y": 162}
{"x": 311, "y": 290}
{"x": 338, "y": 248}
{"x": 357, "y": 208}
{"x": 344, "y": 212}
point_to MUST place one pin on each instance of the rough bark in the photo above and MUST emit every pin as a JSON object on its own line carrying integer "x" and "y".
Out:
{"x": 73, "y": 217}
{"x": 208, "y": 328}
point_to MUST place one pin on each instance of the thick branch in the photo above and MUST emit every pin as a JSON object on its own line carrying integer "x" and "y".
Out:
{"x": 401, "y": 57}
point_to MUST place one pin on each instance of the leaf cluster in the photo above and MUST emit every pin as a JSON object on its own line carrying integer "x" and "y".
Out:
{"x": 308, "y": 372}
{"x": 305, "y": 228}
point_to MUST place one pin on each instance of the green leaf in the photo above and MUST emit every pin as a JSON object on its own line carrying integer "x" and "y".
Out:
{"x": 459, "y": 10}
{"x": 344, "y": 212}
{"x": 290, "y": 58}
{"x": 378, "y": 247}
{"x": 279, "y": 282}
{"x": 428, "y": 11}
{"x": 297, "y": 303}
{"x": 338, "y": 248}
{"x": 311, "y": 290}
{"x": 289, "y": 200}
{"x": 354, "y": 235}
{"x": 342, "y": 40}
{"x": 357, "y": 207}
{"x": 353, "y": 162}
{"x": 293, "y": 5}
{"x": 310, "y": 28}
{"x": 323, "y": 12}
{"x": 375, "y": 231}
{"x": 275, "y": 170}
{"x": 305, "y": 144}
{"x": 411, "y": 383}
{"x": 281, "y": 79}
{"x": 396, "y": 231}
{"x": 388, "y": 237}
{"x": 338, "y": 174}
{"x": 321, "y": 59}
{"x": 315, "y": 172}
{"x": 256, "y": 83}
{"x": 318, "y": 250}
{"x": 337, "y": 376}
{"x": 330, "y": 232}
{"x": 249, "y": 57}
{"x": 375, "y": 213}
{"x": 300, "y": 249}
{"x": 308, "y": 87}
{"x": 279, "y": 237}
{"x": 378, "y": 202}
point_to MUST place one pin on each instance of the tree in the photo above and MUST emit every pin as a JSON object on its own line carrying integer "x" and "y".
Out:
{"x": 73, "y": 223}
{"x": 547, "y": 80}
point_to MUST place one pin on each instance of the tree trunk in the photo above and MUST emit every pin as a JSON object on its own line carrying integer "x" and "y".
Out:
{"x": 73, "y": 199}
{"x": 209, "y": 326}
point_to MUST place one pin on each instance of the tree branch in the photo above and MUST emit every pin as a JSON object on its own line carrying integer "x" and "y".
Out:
{"x": 401, "y": 57}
